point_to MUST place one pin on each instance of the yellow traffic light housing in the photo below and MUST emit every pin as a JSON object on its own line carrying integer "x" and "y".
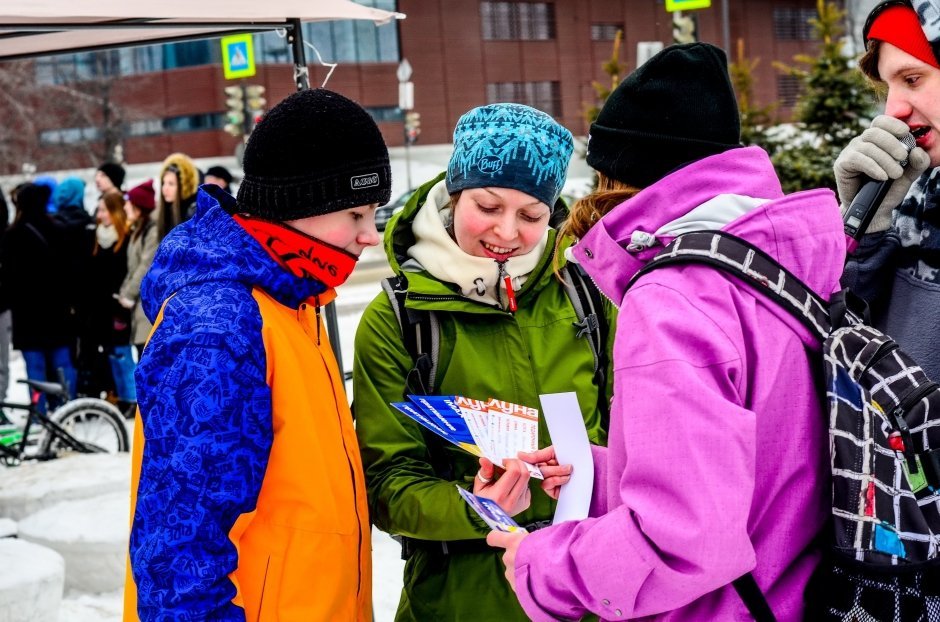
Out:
{"x": 683, "y": 28}
{"x": 412, "y": 126}
{"x": 235, "y": 113}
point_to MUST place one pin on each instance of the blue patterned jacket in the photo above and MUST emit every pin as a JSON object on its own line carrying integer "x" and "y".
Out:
{"x": 226, "y": 519}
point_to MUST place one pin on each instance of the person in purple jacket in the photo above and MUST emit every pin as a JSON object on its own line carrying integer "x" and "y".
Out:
{"x": 717, "y": 464}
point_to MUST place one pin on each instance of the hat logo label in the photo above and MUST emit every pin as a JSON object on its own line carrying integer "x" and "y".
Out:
{"x": 369, "y": 180}
{"x": 490, "y": 164}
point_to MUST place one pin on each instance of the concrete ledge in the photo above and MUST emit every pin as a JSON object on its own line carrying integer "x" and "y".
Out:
{"x": 90, "y": 534}
{"x": 31, "y": 580}
{"x": 39, "y": 485}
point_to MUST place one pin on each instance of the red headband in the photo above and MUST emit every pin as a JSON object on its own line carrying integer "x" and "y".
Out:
{"x": 899, "y": 26}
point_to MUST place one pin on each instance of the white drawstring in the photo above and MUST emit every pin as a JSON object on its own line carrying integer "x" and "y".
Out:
{"x": 282, "y": 33}
{"x": 640, "y": 241}
{"x": 332, "y": 66}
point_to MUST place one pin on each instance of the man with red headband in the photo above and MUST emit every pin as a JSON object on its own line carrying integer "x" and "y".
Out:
{"x": 896, "y": 268}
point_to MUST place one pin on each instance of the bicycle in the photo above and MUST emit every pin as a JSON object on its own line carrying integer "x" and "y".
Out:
{"x": 83, "y": 425}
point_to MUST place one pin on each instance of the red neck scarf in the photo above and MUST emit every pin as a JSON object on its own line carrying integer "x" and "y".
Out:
{"x": 298, "y": 253}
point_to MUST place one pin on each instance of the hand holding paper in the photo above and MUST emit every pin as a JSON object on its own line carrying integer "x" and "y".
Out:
{"x": 490, "y": 512}
{"x": 556, "y": 475}
{"x": 510, "y": 542}
{"x": 510, "y": 490}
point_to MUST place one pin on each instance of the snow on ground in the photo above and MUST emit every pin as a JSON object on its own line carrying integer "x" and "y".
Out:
{"x": 34, "y": 486}
{"x": 31, "y": 579}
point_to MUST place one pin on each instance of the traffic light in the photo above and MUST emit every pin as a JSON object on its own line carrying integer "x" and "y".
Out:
{"x": 254, "y": 104}
{"x": 235, "y": 115}
{"x": 683, "y": 28}
{"x": 412, "y": 126}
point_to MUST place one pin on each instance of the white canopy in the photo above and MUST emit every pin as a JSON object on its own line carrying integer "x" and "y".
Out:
{"x": 38, "y": 27}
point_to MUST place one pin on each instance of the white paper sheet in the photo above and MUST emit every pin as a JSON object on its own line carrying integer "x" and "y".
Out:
{"x": 566, "y": 426}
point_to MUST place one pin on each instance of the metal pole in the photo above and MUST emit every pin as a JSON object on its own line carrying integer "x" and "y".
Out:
{"x": 407, "y": 160}
{"x": 296, "y": 39}
{"x": 726, "y": 26}
{"x": 302, "y": 78}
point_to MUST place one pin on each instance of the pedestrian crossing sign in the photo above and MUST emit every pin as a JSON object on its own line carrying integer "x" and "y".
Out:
{"x": 687, "y": 5}
{"x": 238, "y": 57}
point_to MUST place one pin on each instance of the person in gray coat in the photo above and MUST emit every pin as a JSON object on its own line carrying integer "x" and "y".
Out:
{"x": 145, "y": 239}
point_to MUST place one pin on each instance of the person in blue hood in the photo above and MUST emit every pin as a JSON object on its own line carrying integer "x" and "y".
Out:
{"x": 47, "y": 181}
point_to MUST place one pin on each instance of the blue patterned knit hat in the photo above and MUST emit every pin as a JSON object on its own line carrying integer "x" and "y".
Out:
{"x": 510, "y": 146}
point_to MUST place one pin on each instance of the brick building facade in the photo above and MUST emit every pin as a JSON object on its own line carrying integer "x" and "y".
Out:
{"x": 463, "y": 54}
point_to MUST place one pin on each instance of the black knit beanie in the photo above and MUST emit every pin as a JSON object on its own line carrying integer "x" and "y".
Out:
{"x": 114, "y": 172}
{"x": 314, "y": 153}
{"x": 676, "y": 108}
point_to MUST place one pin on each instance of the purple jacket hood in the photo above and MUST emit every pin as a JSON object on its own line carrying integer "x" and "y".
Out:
{"x": 802, "y": 230}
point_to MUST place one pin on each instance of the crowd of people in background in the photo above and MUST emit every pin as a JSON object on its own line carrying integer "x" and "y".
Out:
{"x": 70, "y": 273}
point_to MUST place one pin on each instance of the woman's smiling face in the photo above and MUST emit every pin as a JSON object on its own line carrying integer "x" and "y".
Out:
{"x": 498, "y": 223}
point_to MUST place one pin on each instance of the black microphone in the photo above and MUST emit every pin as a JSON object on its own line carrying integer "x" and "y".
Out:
{"x": 869, "y": 198}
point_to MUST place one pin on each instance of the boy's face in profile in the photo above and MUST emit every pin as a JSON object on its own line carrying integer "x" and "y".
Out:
{"x": 913, "y": 96}
{"x": 350, "y": 229}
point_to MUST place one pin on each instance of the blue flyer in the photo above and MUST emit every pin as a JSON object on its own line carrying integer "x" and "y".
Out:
{"x": 444, "y": 412}
{"x": 490, "y": 512}
{"x": 439, "y": 426}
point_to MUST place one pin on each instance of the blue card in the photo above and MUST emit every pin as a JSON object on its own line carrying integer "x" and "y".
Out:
{"x": 490, "y": 512}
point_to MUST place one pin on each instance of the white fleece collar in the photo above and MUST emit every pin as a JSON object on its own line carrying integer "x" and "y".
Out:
{"x": 107, "y": 235}
{"x": 438, "y": 253}
{"x": 711, "y": 215}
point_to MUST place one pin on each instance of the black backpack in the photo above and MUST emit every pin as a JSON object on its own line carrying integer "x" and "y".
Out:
{"x": 881, "y": 549}
{"x": 421, "y": 336}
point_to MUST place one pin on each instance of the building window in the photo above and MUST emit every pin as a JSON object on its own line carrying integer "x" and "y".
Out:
{"x": 793, "y": 24}
{"x": 70, "y": 136}
{"x": 194, "y": 123}
{"x": 147, "y": 127}
{"x": 605, "y": 32}
{"x": 509, "y": 21}
{"x": 66, "y": 68}
{"x": 545, "y": 96}
{"x": 788, "y": 90}
{"x": 192, "y": 53}
{"x": 348, "y": 41}
{"x": 385, "y": 113}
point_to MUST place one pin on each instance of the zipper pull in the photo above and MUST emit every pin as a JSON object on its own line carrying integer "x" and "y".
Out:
{"x": 317, "y": 298}
{"x": 510, "y": 293}
{"x": 507, "y": 281}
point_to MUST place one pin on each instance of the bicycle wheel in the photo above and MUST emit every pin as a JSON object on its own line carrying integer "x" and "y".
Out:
{"x": 89, "y": 420}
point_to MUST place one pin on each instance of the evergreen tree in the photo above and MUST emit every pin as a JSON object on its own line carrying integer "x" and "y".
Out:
{"x": 756, "y": 121}
{"x": 834, "y": 106}
{"x": 613, "y": 68}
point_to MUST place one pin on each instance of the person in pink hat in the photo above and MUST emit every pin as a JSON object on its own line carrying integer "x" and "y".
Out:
{"x": 139, "y": 206}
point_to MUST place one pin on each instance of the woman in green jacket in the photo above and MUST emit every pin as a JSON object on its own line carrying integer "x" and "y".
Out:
{"x": 456, "y": 241}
